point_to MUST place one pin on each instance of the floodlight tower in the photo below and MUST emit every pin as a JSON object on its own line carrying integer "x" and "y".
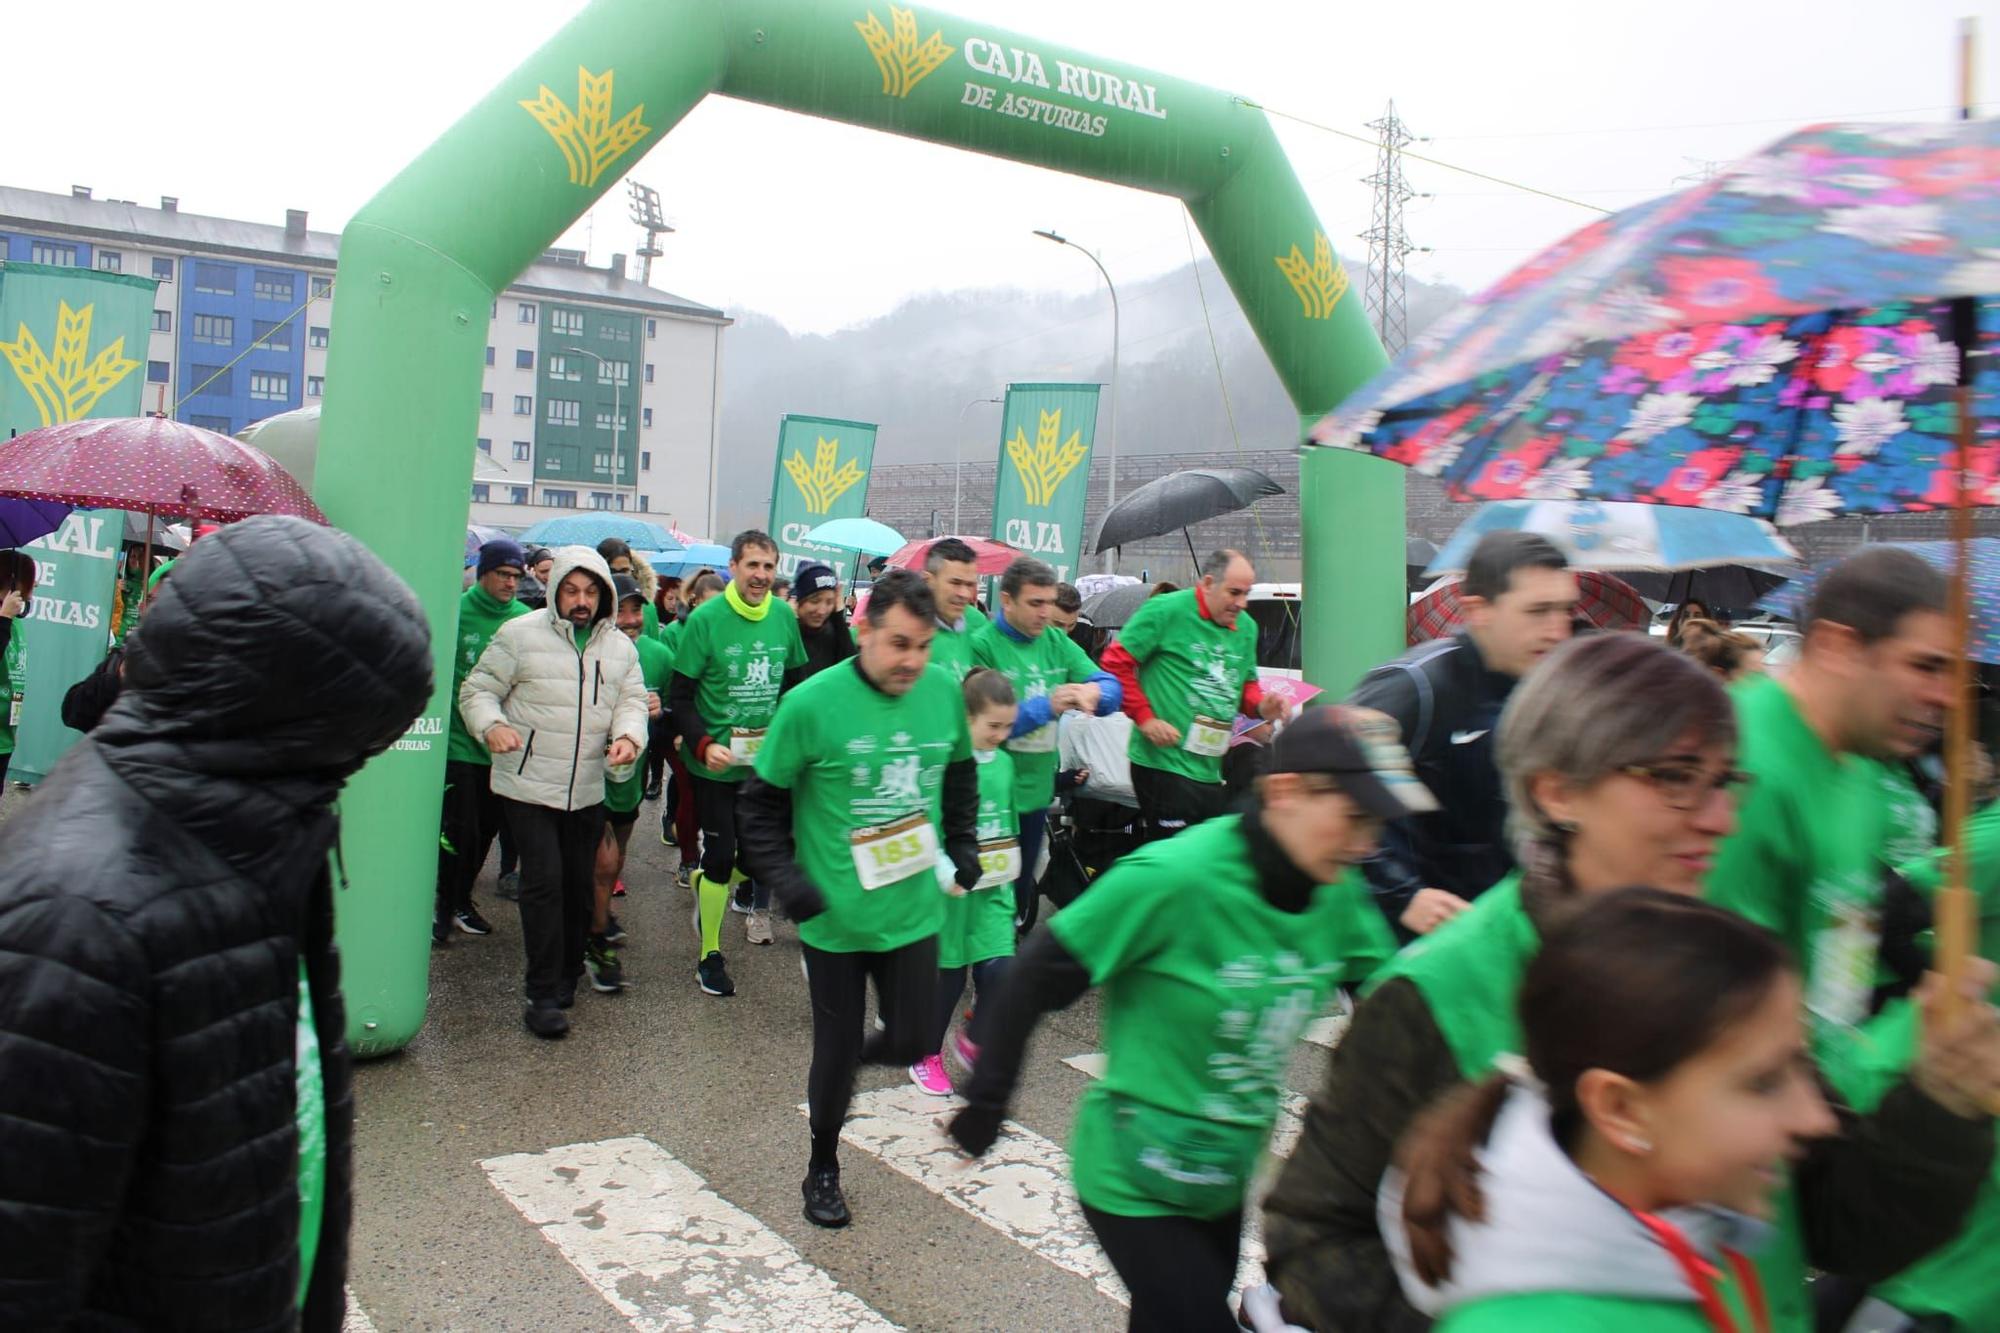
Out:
{"x": 646, "y": 212}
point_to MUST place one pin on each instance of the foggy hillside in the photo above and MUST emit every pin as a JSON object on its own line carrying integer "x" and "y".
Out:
{"x": 914, "y": 370}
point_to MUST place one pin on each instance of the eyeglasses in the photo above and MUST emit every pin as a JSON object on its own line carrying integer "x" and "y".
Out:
{"x": 1687, "y": 786}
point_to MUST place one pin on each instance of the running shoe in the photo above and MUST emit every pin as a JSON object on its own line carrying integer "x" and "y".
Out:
{"x": 440, "y": 931}
{"x": 613, "y": 932}
{"x": 758, "y": 928}
{"x": 740, "y": 905}
{"x": 684, "y": 877}
{"x": 509, "y": 886}
{"x": 826, "y": 1206}
{"x": 653, "y": 790}
{"x": 601, "y": 960}
{"x": 965, "y": 1050}
{"x": 618, "y": 889}
{"x": 546, "y": 1021}
{"x": 714, "y": 976}
{"x": 471, "y": 922}
{"x": 928, "y": 1074}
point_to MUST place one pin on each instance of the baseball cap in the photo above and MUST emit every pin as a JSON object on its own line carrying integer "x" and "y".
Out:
{"x": 624, "y": 585}
{"x": 1362, "y": 751}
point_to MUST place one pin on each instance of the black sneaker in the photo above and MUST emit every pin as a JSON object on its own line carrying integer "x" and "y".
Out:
{"x": 509, "y": 886}
{"x": 613, "y": 932}
{"x": 713, "y": 976}
{"x": 653, "y": 790}
{"x": 440, "y": 931}
{"x": 826, "y": 1206}
{"x": 566, "y": 994}
{"x": 546, "y": 1020}
{"x": 471, "y": 922}
{"x": 601, "y": 961}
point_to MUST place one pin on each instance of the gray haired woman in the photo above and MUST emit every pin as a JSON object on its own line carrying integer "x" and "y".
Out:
{"x": 1619, "y": 759}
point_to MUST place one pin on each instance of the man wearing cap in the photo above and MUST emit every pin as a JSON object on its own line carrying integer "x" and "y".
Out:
{"x": 1212, "y": 952}
{"x": 471, "y": 811}
{"x": 822, "y": 625}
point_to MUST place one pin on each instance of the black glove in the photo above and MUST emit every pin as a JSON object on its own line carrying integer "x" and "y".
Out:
{"x": 976, "y": 1127}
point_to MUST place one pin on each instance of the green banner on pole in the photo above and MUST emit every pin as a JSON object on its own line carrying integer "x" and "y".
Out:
{"x": 73, "y": 343}
{"x": 1046, "y": 432}
{"x": 821, "y": 473}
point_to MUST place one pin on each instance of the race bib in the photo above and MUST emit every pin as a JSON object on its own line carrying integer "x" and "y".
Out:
{"x": 1843, "y": 968}
{"x": 14, "y": 711}
{"x": 1039, "y": 741}
{"x": 890, "y": 853}
{"x": 999, "y": 863}
{"x": 1207, "y": 737}
{"x": 744, "y": 743}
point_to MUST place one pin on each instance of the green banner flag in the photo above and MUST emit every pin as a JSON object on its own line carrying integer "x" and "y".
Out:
{"x": 1046, "y": 434}
{"x": 73, "y": 343}
{"x": 821, "y": 473}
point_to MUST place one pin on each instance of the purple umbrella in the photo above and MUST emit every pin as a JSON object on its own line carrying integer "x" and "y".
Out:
{"x": 22, "y": 521}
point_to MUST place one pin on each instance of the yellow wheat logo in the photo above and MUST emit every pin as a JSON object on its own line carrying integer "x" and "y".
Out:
{"x": 903, "y": 62}
{"x": 1044, "y": 466}
{"x": 63, "y": 386}
{"x": 1321, "y": 283}
{"x": 589, "y": 140}
{"x": 823, "y": 482}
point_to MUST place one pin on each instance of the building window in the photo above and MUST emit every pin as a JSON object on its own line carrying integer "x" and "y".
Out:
{"x": 273, "y": 286}
{"x": 645, "y": 460}
{"x": 600, "y": 499}
{"x": 605, "y": 421}
{"x": 315, "y": 386}
{"x": 618, "y": 372}
{"x": 652, "y": 331}
{"x": 524, "y": 358}
{"x": 525, "y": 314}
{"x": 163, "y": 270}
{"x": 644, "y": 503}
{"x": 163, "y": 321}
{"x": 317, "y": 335}
{"x": 158, "y": 372}
{"x": 615, "y": 332}
{"x": 565, "y": 412}
{"x": 559, "y": 499}
{"x": 486, "y": 402}
{"x": 217, "y": 278}
{"x": 649, "y": 372}
{"x": 276, "y": 337}
{"x": 209, "y": 379}
{"x": 216, "y": 330}
{"x": 569, "y": 323}
{"x": 646, "y": 417}
{"x": 49, "y": 252}
{"x": 220, "y": 425}
{"x": 270, "y": 386}
{"x": 110, "y": 261}
{"x": 602, "y": 461}
{"x": 481, "y": 493}
{"x": 517, "y": 495}
{"x": 524, "y": 405}
{"x": 321, "y": 287}
{"x": 523, "y": 451}
{"x": 563, "y": 368}
{"x": 485, "y": 445}
{"x": 489, "y": 356}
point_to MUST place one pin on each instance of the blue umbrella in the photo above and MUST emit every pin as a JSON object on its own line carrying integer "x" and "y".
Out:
{"x": 22, "y": 521}
{"x": 699, "y": 555}
{"x": 864, "y": 536}
{"x": 1612, "y": 536}
{"x": 590, "y": 529}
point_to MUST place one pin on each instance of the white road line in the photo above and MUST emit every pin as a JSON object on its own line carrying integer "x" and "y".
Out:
{"x": 357, "y": 1320}
{"x": 664, "y": 1249}
{"x": 1021, "y": 1187}
{"x": 1326, "y": 1031}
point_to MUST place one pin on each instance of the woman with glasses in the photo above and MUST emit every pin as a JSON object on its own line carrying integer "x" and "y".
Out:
{"x": 1618, "y": 756}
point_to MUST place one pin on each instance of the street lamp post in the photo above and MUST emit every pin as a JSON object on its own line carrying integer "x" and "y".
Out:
{"x": 617, "y": 419}
{"x": 1111, "y": 491}
{"x": 958, "y": 462}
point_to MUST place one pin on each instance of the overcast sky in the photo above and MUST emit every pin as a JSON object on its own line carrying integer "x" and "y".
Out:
{"x": 247, "y": 109}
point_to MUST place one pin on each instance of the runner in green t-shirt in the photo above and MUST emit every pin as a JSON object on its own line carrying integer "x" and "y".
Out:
{"x": 738, "y": 654}
{"x": 680, "y": 826}
{"x": 1871, "y": 682}
{"x": 1050, "y": 675}
{"x": 13, "y": 652}
{"x": 866, "y": 779}
{"x": 1212, "y": 952}
{"x": 952, "y": 569}
{"x": 1188, "y": 665}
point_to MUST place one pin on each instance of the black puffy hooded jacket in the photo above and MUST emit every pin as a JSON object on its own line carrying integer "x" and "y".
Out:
{"x": 156, "y": 897}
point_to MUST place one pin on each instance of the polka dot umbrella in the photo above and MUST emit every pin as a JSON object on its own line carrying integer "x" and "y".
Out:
{"x": 151, "y": 465}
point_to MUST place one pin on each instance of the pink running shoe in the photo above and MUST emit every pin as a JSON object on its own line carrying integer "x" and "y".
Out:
{"x": 618, "y": 889}
{"x": 965, "y": 1050}
{"x": 928, "y": 1074}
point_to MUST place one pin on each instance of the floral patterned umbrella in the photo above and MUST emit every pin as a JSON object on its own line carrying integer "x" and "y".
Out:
{"x": 1780, "y": 341}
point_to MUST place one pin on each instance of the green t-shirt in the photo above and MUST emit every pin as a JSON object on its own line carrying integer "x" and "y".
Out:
{"x": 670, "y": 638}
{"x": 858, "y": 763}
{"x": 1036, "y": 666}
{"x": 1205, "y": 987}
{"x": 480, "y": 617}
{"x": 13, "y": 683}
{"x": 310, "y": 1120}
{"x": 952, "y": 649}
{"x": 1910, "y": 823}
{"x": 1189, "y": 667}
{"x": 649, "y": 625}
{"x": 1805, "y": 860}
{"x": 655, "y": 664}
{"x": 739, "y": 667}
{"x": 980, "y": 924}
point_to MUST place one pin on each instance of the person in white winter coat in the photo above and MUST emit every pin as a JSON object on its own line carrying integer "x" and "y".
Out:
{"x": 558, "y": 697}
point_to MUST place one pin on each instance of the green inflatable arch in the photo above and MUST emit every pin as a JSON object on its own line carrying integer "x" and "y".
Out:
{"x": 421, "y": 263}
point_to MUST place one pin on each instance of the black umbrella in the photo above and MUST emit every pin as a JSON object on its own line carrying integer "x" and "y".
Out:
{"x": 1735, "y": 587}
{"x": 1181, "y": 499}
{"x": 1418, "y": 552}
{"x": 1113, "y": 608}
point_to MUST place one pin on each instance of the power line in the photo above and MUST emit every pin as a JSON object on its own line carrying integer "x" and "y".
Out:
{"x": 1699, "y": 125}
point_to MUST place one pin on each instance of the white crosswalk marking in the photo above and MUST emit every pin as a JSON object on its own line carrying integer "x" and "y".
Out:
{"x": 357, "y": 1320}
{"x": 1021, "y": 1187}
{"x": 1326, "y": 1031}
{"x": 666, "y": 1250}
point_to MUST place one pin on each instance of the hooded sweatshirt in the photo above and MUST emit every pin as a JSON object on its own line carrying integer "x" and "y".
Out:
{"x": 1557, "y": 1252}
{"x": 480, "y": 616}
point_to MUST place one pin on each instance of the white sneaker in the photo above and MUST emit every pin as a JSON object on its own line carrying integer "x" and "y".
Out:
{"x": 758, "y": 928}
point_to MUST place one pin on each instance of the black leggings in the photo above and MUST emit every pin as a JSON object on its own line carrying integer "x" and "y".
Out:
{"x": 1179, "y": 1269}
{"x": 905, "y": 981}
{"x": 715, "y": 807}
{"x": 986, "y": 978}
{"x": 1034, "y": 828}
